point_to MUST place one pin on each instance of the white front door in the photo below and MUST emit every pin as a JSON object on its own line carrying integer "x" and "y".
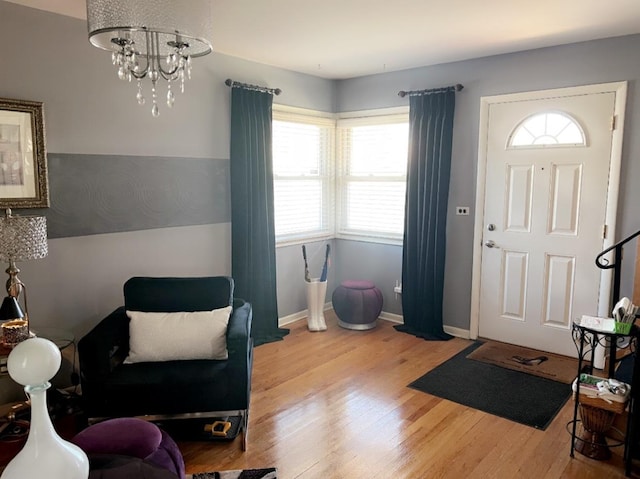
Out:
{"x": 548, "y": 161}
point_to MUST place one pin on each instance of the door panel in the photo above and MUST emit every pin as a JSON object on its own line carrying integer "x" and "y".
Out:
{"x": 519, "y": 198}
{"x": 548, "y": 203}
{"x": 514, "y": 284}
{"x": 566, "y": 183}
{"x": 558, "y": 297}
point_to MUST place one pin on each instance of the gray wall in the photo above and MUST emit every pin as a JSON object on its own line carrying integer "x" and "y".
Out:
{"x": 599, "y": 61}
{"x": 107, "y": 227}
{"x": 130, "y": 194}
{"x": 291, "y": 286}
{"x": 375, "y": 262}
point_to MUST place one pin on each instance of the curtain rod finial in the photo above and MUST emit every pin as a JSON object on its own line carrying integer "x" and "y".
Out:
{"x": 402, "y": 93}
{"x": 458, "y": 87}
{"x": 228, "y": 82}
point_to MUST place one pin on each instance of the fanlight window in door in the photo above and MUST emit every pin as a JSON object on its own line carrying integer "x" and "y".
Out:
{"x": 545, "y": 130}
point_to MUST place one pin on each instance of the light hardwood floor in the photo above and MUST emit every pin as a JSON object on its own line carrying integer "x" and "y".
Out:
{"x": 335, "y": 404}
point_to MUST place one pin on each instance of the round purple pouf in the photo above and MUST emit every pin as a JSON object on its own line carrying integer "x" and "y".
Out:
{"x": 132, "y": 437}
{"x": 357, "y": 304}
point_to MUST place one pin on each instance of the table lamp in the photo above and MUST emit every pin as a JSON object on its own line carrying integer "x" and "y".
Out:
{"x": 33, "y": 363}
{"x": 21, "y": 238}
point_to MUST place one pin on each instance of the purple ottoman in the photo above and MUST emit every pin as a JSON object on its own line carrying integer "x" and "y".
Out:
{"x": 357, "y": 304}
{"x": 135, "y": 438}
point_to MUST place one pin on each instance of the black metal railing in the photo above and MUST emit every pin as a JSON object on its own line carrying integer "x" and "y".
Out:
{"x": 604, "y": 263}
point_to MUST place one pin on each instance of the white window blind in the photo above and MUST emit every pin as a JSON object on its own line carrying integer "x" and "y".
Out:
{"x": 372, "y": 176}
{"x": 302, "y": 159}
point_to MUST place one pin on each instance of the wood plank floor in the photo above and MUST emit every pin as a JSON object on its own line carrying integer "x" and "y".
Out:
{"x": 335, "y": 404}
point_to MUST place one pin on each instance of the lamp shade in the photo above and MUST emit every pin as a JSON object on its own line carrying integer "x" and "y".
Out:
{"x": 190, "y": 20}
{"x": 10, "y": 309}
{"x": 23, "y": 238}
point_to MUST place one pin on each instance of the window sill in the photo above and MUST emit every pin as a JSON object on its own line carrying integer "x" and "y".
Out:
{"x": 370, "y": 239}
{"x": 302, "y": 240}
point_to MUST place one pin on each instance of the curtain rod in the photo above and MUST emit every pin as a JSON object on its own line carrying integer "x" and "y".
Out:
{"x": 231, "y": 83}
{"x": 456, "y": 87}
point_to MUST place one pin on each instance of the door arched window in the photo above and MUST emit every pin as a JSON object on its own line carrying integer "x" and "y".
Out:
{"x": 547, "y": 130}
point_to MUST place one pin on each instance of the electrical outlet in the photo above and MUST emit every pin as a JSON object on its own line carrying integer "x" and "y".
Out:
{"x": 462, "y": 210}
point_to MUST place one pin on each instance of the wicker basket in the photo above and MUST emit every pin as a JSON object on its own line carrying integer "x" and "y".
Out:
{"x": 613, "y": 406}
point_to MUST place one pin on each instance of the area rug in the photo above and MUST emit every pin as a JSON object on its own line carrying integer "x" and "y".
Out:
{"x": 269, "y": 473}
{"x": 519, "y": 397}
{"x": 530, "y": 361}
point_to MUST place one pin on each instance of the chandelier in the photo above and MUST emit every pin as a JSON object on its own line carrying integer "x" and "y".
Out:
{"x": 154, "y": 39}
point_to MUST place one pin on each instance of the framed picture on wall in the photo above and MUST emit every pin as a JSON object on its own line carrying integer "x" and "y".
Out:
{"x": 23, "y": 159}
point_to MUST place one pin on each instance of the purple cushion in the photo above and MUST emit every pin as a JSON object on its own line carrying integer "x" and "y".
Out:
{"x": 135, "y": 438}
{"x": 357, "y": 302}
{"x": 357, "y": 284}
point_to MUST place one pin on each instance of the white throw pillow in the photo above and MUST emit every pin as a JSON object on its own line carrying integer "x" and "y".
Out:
{"x": 174, "y": 336}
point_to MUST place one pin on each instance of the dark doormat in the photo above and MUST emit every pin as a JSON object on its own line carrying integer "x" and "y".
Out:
{"x": 197, "y": 430}
{"x": 513, "y": 395}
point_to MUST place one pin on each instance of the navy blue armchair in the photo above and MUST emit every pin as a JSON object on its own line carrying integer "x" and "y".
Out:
{"x": 168, "y": 389}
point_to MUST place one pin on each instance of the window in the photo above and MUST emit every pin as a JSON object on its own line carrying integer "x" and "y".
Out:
{"x": 362, "y": 198}
{"x": 547, "y": 129}
{"x": 371, "y": 179}
{"x": 302, "y": 164}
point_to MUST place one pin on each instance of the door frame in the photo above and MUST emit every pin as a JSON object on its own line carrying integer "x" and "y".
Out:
{"x": 620, "y": 90}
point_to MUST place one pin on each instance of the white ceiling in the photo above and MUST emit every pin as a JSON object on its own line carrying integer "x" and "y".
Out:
{"x": 347, "y": 38}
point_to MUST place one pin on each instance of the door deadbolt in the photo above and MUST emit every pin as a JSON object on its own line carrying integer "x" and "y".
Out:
{"x": 491, "y": 227}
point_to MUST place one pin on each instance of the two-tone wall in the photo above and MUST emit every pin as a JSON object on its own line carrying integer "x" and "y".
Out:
{"x": 136, "y": 195}
{"x": 130, "y": 194}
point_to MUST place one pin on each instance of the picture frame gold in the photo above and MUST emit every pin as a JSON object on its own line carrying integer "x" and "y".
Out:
{"x": 24, "y": 181}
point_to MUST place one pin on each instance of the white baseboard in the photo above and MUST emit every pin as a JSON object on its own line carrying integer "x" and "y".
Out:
{"x": 391, "y": 317}
{"x": 397, "y": 318}
{"x": 292, "y": 318}
{"x": 457, "y": 332}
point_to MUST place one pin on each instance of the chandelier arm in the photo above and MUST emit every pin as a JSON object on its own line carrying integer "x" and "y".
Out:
{"x": 156, "y": 62}
{"x": 171, "y": 75}
{"x": 153, "y": 51}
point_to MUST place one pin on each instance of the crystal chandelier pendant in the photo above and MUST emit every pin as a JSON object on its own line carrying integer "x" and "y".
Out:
{"x": 155, "y": 111}
{"x": 164, "y": 52}
{"x": 139, "y": 96}
{"x": 170, "y": 96}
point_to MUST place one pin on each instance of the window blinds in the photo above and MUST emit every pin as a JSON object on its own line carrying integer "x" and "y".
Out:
{"x": 302, "y": 155}
{"x": 371, "y": 181}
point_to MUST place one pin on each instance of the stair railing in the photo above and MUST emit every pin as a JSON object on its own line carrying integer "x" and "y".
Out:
{"x": 603, "y": 263}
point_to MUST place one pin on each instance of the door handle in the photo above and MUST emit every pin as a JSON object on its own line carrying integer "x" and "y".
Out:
{"x": 491, "y": 244}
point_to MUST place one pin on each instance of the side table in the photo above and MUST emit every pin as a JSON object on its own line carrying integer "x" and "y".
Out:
{"x": 60, "y": 337}
{"x": 596, "y": 414}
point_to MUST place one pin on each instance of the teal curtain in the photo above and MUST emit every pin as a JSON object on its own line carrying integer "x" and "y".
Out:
{"x": 424, "y": 244}
{"x": 253, "y": 244}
